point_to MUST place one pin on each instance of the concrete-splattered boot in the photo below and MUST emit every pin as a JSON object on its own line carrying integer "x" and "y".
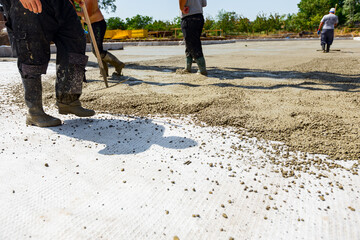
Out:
{"x": 327, "y": 47}
{"x": 189, "y": 62}
{"x": 69, "y": 86}
{"x": 323, "y": 47}
{"x": 202, "y": 65}
{"x": 111, "y": 59}
{"x": 70, "y": 104}
{"x": 33, "y": 100}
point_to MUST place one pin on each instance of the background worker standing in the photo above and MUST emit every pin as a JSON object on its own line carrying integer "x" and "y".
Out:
{"x": 99, "y": 27}
{"x": 32, "y": 25}
{"x": 192, "y": 23}
{"x": 328, "y": 24}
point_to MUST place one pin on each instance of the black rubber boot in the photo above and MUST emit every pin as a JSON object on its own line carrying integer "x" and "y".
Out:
{"x": 70, "y": 104}
{"x": 323, "y": 47}
{"x": 33, "y": 100}
{"x": 202, "y": 65}
{"x": 111, "y": 59}
{"x": 189, "y": 62}
{"x": 327, "y": 47}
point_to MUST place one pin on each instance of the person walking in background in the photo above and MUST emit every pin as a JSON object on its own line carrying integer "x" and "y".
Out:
{"x": 192, "y": 23}
{"x": 99, "y": 27}
{"x": 328, "y": 24}
{"x": 32, "y": 25}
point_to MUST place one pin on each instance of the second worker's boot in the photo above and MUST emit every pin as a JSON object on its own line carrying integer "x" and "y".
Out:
{"x": 189, "y": 62}
{"x": 327, "y": 47}
{"x": 33, "y": 100}
{"x": 202, "y": 65}
{"x": 71, "y": 105}
{"x": 111, "y": 59}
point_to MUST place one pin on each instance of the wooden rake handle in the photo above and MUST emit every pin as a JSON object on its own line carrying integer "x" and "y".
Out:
{"x": 93, "y": 40}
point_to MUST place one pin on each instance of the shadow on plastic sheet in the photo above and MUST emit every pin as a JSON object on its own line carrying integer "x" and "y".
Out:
{"x": 120, "y": 137}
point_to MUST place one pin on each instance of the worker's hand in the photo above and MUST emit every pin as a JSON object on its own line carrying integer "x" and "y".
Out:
{"x": 32, "y": 5}
{"x": 318, "y": 32}
{"x": 186, "y": 10}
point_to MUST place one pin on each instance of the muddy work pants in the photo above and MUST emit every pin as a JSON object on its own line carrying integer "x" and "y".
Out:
{"x": 327, "y": 36}
{"x": 32, "y": 34}
{"x": 191, "y": 27}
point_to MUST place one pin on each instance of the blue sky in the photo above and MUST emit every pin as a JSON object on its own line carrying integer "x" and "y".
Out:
{"x": 168, "y": 9}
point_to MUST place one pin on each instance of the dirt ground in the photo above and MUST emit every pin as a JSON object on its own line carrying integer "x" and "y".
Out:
{"x": 284, "y": 91}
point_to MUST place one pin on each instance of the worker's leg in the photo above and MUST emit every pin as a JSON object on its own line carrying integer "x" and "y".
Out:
{"x": 186, "y": 33}
{"x": 192, "y": 28}
{"x": 323, "y": 40}
{"x": 198, "y": 54}
{"x": 329, "y": 39}
{"x": 99, "y": 29}
{"x": 108, "y": 58}
{"x": 33, "y": 51}
{"x": 71, "y": 60}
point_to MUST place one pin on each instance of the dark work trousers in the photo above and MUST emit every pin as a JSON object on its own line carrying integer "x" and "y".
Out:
{"x": 327, "y": 36}
{"x": 32, "y": 34}
{"x": 99, "y": 29}
{"x": 191, "y": 27}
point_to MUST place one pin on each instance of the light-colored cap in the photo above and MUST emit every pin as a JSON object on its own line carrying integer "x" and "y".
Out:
{"x": 332, "y": 10}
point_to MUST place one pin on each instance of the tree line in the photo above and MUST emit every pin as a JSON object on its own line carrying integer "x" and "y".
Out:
{"x": 307, "y": 18}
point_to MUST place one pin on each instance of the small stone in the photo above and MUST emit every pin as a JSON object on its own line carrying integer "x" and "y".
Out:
{"x": 352, "y": 209}
{"x": 46, "y": 165}
{"x": 224, "y": 215}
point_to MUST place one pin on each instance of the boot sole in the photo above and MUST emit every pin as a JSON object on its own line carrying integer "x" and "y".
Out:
{"x": 54, "y": 124}
{"x": 78, "y": 115}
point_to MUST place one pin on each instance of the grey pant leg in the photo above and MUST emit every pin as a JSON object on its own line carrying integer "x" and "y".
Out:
{"x": 327, "y": 36}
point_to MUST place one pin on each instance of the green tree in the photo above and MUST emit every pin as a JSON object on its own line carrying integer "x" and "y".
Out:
{"x": 276, "y": 22}
{"x": 351, "y": 10}
{"x": 227, "y": 21}
{"x": 115, "y": 23}
{"x": 210, "y": 23}
{"x": 159, "y": 25}
{"x": 311, "y": 12}
{"x": 106, "y": 4}
{"x": 176, "y": 23}
{"x": 260, "y": 24}
{"x": 243, "y": 25}
{"x": 138, "y": 22}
